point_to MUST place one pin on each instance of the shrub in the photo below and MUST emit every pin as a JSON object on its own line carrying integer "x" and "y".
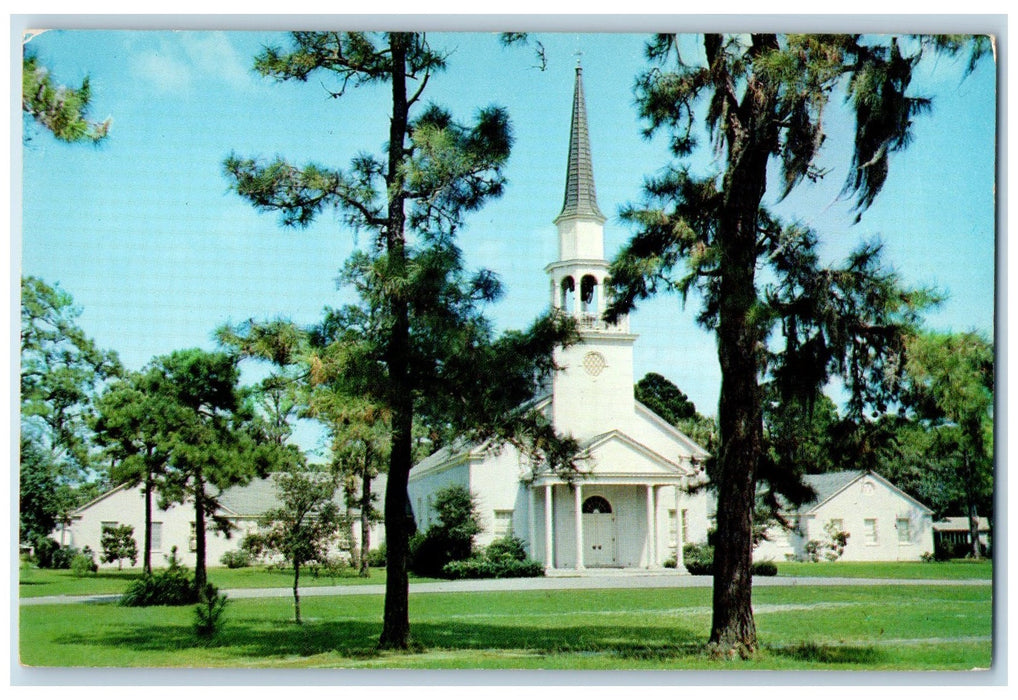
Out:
{"x": 50, "y": 555}
{"x": 44, "y": 549}
{"x": 170, "y": 586}
{"x": 429, "y": 552}
{"x": 63, "y": 557}
{"x": 479, "y": 567}
{"x": 208, "y": 614}
{"x": 812, "y": 550}
{"x": 699, "y": 559}
{"x": 449, "y": 539}
{"x": 509, "y": 547}
{"x": 927, "y": 557}
{"x": 376, "y": 557}
{"x": 764, "y": 568}
{"x": 84, "y": 563}
{"x": 236, "y": 559}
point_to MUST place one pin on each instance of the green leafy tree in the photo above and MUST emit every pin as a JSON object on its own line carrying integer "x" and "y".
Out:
{"x": 305, "y": 524}
{"x": 664, "y": 398}
{"x": 282, "y": 396}
{"x": 762, "y": 98}
{"x": 61, "y": 110}
{"x": 214, "y": 438}
{"x": 62, "y": 371}
{"x": 660, "y": 394}
{"x": 118, "y": 543}
{"x": 451, "y": 538}
{"x": 130, "y": 425}
{"x": 427, "y": 338}
{"x": 949, "y": 386}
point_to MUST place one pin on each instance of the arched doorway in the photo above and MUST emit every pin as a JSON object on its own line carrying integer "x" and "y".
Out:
{"x": 598, "y": 532}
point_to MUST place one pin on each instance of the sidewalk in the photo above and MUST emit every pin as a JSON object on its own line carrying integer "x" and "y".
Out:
{"x": 560, "y": 581}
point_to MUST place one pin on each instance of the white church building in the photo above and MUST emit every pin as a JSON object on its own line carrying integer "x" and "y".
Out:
{"x": 629, "y": 506}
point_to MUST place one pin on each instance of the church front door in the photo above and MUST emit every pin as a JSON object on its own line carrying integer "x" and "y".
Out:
{"x": 598, "y": 532}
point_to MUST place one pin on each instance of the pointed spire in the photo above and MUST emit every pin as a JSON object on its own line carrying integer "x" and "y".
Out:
{"x": 580, "y": 198}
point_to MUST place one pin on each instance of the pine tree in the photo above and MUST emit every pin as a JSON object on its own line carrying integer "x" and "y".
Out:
{"x": 214, "y": 440}
{"x": 130, "y": 425}
{"x": 762, "y": 98}
{"x": 62, "y": 110}
{"x": 426, "y": 339}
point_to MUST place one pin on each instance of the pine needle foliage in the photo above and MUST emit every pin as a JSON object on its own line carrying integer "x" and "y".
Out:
{"x": 421, "y": 341}
{"x": 785, "y": 321}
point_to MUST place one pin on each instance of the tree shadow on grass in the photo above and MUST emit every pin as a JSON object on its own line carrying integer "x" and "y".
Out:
{"x": 267, "y": 640}
{"x": 356, "y": 639}
{"x": 812, "y": 652}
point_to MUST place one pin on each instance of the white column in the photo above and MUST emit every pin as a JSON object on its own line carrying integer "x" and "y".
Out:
{"x": 650, "y": 526}
{"x": 531, "y": 524}
{"x": 549, "y": 529}
{"x": 578, "y": 500}
{"x": 678, "y": 532}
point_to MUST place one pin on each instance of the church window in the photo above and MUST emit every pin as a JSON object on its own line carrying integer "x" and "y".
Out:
{"x": 503, "y": 523}
{"x": 904, "y": 531}
{"x": 597, "y": 504}
{"x": 870, "y": 529}
{"x": 157, "y": 537}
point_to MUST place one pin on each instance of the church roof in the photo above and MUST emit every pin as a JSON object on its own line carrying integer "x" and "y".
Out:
{"x": 580, "y": 197}
{"x": 830, "y": 484}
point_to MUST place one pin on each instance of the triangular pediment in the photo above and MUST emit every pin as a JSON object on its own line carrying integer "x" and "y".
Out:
{"x": 617, "y": 454}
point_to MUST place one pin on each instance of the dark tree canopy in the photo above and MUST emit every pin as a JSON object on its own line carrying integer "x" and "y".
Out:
{"x": 214, "y": 437}
{"x": 780, "y": 314}
{"x": 425, "y": 339}
{"x": 664, "y": 398}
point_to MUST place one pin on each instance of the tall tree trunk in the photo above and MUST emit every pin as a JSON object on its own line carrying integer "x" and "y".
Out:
{"x": 751, "y": 136}
{"x": 366, "y": 515}
{"x": 396, "y": 615}
{"x": 733, "y": 629}
{"x": 971, "y": 508}
{"x": 146, "y": 558}
{"x": 200, "y": 576}
{"x": 296, "y": 592}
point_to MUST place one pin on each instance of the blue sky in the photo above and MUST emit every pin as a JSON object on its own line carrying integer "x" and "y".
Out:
{"x": 146, "y": 236}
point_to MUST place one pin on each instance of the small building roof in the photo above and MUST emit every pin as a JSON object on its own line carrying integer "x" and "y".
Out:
{"x": 959, "y": 523}
{"x": 253, "y": 498}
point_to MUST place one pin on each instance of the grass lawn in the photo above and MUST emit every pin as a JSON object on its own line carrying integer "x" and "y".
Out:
{"x": 36, "y": 582}
{"x": 800, "y": 628}
{"x": 954, "y": 569}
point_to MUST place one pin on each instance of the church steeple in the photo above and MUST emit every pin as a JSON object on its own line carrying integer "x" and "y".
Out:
{"x": 592, "y": 392}
{"x": 580, "y": 197}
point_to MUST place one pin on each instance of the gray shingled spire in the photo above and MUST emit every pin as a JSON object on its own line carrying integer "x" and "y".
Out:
{"x": 580, "y": 198}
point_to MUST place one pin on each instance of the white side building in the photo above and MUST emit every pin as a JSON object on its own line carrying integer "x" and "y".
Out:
{"x": 883, "y": 522}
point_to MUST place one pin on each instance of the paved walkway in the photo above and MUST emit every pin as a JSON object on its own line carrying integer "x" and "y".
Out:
{"x": 592, "y": 580}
